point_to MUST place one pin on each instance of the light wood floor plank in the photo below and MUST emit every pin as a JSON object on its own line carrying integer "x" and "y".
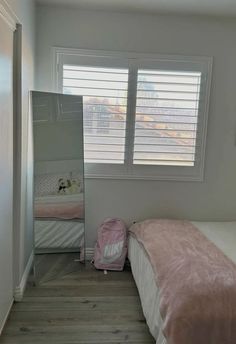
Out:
{"x": 76, "y": 304}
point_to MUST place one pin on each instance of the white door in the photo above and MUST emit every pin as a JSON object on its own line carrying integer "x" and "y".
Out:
{"x": 6, "y": 169}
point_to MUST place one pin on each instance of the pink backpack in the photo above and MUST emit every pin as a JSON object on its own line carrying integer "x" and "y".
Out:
{"x": 111, "y": 246}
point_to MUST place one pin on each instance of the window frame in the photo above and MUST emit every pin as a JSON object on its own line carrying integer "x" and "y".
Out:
{"x": 135, "y": 61}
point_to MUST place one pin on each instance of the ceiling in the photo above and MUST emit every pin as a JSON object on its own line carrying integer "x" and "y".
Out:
{"x": 195, "y": 7}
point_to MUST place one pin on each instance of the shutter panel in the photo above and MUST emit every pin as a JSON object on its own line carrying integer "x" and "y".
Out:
{"x": 167, "y": 109}
{"x": 104, "y": 92}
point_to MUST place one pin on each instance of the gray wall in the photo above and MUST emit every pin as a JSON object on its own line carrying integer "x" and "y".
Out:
{"x": 213, "y": 199}
{"x": 23, "y": 236}
{"x": 60, "y": 136}
{"x": 57, "y": 141}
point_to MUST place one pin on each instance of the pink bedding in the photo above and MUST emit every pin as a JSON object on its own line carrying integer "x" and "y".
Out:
{"x": 65, "y": 211}
{"x": 197, "y": 282}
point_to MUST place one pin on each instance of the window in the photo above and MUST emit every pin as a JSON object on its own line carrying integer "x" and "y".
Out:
{"x": 144, "y": 116}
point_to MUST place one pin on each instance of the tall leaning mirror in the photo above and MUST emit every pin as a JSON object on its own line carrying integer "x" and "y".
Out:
{"x": 59, "y": 226}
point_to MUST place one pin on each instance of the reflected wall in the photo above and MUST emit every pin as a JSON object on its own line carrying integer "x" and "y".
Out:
{"x": 58, "y": 173}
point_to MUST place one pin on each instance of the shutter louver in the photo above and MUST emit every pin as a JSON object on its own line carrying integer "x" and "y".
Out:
{"x": 104, "y": 92}
{"x": 167, "y": 108}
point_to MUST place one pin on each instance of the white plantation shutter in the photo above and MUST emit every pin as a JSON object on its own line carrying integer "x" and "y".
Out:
{"x": 105, "y": 105}
{"x": 145, "y": 117}
{"x": 167, "y": 110}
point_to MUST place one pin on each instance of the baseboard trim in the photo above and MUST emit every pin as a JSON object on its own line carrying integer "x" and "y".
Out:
{"x": 19, "y": 290}
{"x": 6, "y": 317}
{"x": 89, "y": 253}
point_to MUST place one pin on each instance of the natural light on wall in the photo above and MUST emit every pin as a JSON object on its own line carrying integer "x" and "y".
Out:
{"x": 166, "y": 117}
{"x": 105, "y": 108}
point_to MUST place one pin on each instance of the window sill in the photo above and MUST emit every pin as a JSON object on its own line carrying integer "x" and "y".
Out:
{"x": 173, "y": 178}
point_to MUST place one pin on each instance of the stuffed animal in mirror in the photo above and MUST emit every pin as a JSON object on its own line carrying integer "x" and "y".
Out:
{"x": 63, "y": 185}
{"x": 75, "y": 186}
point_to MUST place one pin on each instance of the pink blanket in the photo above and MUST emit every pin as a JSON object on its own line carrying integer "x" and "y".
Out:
{"x": 65, "y": 211}
{"x": 197, "y": 282}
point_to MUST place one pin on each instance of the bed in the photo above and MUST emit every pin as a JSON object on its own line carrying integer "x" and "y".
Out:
{"x": 221, "y": 234}
{"x": 59, "y": 212}
{"x": 57, "y": 236}
{"x": 59, "y": 223}
{"x": 62, "y": 207}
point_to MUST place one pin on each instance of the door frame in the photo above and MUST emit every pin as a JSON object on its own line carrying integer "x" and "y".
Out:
{"x": 13, "y": 22}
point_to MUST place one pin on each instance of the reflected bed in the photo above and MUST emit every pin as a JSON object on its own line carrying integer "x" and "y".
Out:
{"x": 58, "y": 235}
{"x": 53, "y": 231}
{"x": 65, "y": 207}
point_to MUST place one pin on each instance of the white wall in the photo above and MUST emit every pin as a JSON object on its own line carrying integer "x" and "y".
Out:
{"x": 213, "y": 199}
{"x": 6, "y": 169}
{"x": 57, "y": 139}
{"x": 24, "y": 10}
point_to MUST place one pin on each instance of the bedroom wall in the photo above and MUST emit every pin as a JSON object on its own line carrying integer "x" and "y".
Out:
{"x": 59, "y": 136}
{"x": 49, "y": 145}
{"x": 23, "y": 232}
{"x": 213, "y": 199}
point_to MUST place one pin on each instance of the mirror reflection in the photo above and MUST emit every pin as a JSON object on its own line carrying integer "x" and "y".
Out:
{"x": 58, "y": 173}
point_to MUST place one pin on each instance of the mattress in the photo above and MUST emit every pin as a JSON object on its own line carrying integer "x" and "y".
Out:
{"x": 60, "y": 206}
{"x": 51, "y": 234}
{"x": 222, "y": 234}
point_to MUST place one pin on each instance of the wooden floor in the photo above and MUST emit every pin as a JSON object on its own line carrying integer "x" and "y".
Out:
{"x": 72, "y": 304}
